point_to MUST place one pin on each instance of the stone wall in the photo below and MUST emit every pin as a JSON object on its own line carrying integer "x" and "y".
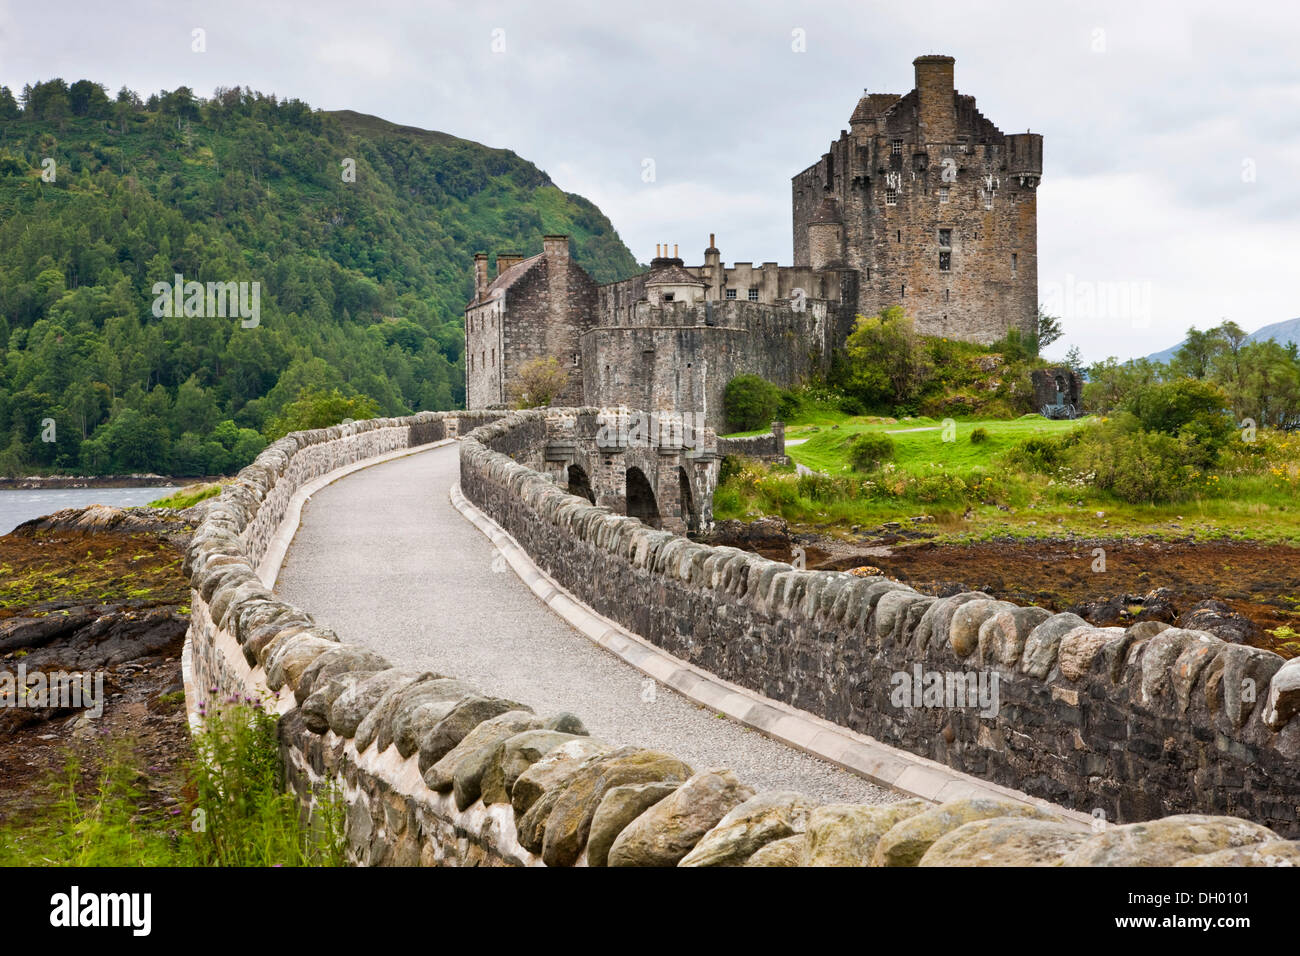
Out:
{"x": 1131, "y": 723}
{"x": 434, "y": 771}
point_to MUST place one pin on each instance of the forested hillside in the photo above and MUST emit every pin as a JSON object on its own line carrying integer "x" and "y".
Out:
{"x": 361, "y": 235}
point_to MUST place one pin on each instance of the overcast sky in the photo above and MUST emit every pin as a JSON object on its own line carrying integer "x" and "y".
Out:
{"x": 1171, "y": 190}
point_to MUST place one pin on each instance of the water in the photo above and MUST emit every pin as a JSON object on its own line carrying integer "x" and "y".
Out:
{"x": 19, "y": 506}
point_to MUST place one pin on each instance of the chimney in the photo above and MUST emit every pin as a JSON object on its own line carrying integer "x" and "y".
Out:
{"x": 555, "y": 247}
{"x": 504, "y": 262}
{"x": 675, "y": 255}
{"x": 480, "y": 275}
{"x": 935, "y": 97}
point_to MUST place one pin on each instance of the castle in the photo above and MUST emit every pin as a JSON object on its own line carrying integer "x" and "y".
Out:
{"x": 921, "y": 203}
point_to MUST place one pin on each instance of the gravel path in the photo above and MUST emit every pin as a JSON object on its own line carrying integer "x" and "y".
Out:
{"x": 384, "y": 559}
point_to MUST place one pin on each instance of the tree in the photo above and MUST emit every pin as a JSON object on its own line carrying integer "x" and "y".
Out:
{"x": 1074, "y": 359}
{"x": 538, "y": 383}
{"x": 750, "y": 402}
{"x": 318, "y": 409}
{"x": 884, "y": 362}
{"x": 1049, "y": 329}
{"x": 8, "y": 105}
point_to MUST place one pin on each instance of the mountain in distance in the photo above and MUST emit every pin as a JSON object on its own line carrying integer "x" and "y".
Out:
{"x": 359, "y": 233}
{"x": 1283, "y": 333}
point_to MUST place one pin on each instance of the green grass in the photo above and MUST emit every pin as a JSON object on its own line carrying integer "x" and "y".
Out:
{"x": 231, "y": 809}
{"x": 972, "y": 493}
{"x": 187, "y": 496}
{"x": 919, "y": 442}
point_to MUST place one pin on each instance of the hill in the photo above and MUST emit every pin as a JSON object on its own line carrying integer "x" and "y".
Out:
{"x": 1283, "y": 333}
{"x": 359, "y": 234}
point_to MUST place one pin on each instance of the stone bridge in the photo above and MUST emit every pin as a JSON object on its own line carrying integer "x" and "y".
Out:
{"x": 454, "y": 543}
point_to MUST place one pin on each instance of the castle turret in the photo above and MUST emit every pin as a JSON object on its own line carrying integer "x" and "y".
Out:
{"x": 826, "y": 236}
{"x": 936, "y": 106}
{"x": 1025, "y": 157}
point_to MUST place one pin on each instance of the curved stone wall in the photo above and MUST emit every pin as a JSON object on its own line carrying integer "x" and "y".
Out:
{"x": 435, "y": 771}
{"x": 1130, "y": 724}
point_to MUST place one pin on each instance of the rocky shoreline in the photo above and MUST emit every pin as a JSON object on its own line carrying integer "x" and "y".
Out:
{"x": 96, "y": 594}
{"x": 54, "y": 482}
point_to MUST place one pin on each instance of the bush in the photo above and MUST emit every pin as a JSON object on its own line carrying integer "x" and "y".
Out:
{"x": 1140, "y": 467}
{"x": 750, "y": 402}
{"x": 979, "y": 436}
{"x": 868, "y": 450}
{"x": 1186, "y": 408}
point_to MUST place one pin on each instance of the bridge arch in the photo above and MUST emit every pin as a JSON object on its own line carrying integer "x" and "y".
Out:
{"x": 580, "y": 483}
{"x": 640, "y": 498}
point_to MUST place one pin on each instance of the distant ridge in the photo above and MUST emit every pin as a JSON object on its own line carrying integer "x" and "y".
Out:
{"x": 1283, "y": 333}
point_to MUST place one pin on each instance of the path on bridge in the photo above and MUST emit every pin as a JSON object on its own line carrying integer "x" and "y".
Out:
{"x": 383, "y": 558}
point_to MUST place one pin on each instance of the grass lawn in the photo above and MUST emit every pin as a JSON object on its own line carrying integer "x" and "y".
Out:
{"x": 919, "y": 442}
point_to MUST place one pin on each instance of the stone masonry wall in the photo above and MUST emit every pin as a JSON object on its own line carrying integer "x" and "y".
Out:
{"x": 434, "y": 771}
{"x": 1131, "y": 723}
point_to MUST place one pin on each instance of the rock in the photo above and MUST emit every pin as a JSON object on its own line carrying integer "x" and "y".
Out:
{"x": 351, "y": 706}
{"x": 1081, "y": 646}
{"x": 1240, "y": 675}
{"x": 512, "y": 757}
{"x": 670, "y": 829}
{"x": 784, "y": 852}
{"x": 1002, "y": 637}
{"x": 382, "y": 713}
{"x": 337, "y": 660}
{"x": 570, "y": 820}
{"x": 1044, "y": 641}
{"x": 553, "y": 770}
{"x": 467, "y": 714}
{"x": 755, "y": 823}
{"x": 1005, "y": 841}
{"x": 906, "y": 842}
{"x": 846, "y": 834}
{"x": 1281, "y": 853}
{"x": 1283, "y": 700}
{"x": 292, "y": 656}
{"x": 964, "y": 631}
{"x": 1158, "y": 657}
{"x": 933, "y": 631}
{"x": 530, "y": 829}
{"x": 1220, "y": 620}
{"x": 421, "y": 706}
{"x": 316, "y": 709}
{"x": 465, "y": 760}
{"x": 565, "y": 723}
{"x": 620, "y": 806}
{"x": 1165, "y": 841}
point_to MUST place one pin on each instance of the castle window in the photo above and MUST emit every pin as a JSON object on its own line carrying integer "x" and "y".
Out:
{"x": 753, "y": 295}
{"x": 575, "y": 359}
{"x": 902, "y": 291}
{"x": 947, "y": 295}
{"x": 945, "y": 238}
{"x": 943, "y": 194}
{"x": 731, "y": 293}
{"x": 891, "y": 197}
{"x": 945, "y": 262}
{"x": 494, "y": 358}
{"x": 471, "y": 361}
{"x": 1013, "y": 265}
{"x": 896, "y": 147}
{"x": 988, "y": 198}
{"x": 669, "y": 296}
{"x": 900, "y": 235}
{"x": 482, "y": 358}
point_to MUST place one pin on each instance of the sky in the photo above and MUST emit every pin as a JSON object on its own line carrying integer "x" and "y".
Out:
{"x": 1171, "y": 187}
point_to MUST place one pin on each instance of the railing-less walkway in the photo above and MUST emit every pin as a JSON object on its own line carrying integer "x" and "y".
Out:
{"x": 383, "y": 558}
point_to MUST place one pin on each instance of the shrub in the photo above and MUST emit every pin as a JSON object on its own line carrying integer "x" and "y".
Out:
{"x": 750, "y": 402}
{"x": 979, "y": 436}
{"x": 1187, "y": 408}
{"x": 1140, "y": 467}
{"x": 869, "y": 450}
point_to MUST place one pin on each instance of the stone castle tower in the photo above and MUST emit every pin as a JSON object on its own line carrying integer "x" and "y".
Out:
{"x": 922, "y": 203}
{"x": 932, "y": 206}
